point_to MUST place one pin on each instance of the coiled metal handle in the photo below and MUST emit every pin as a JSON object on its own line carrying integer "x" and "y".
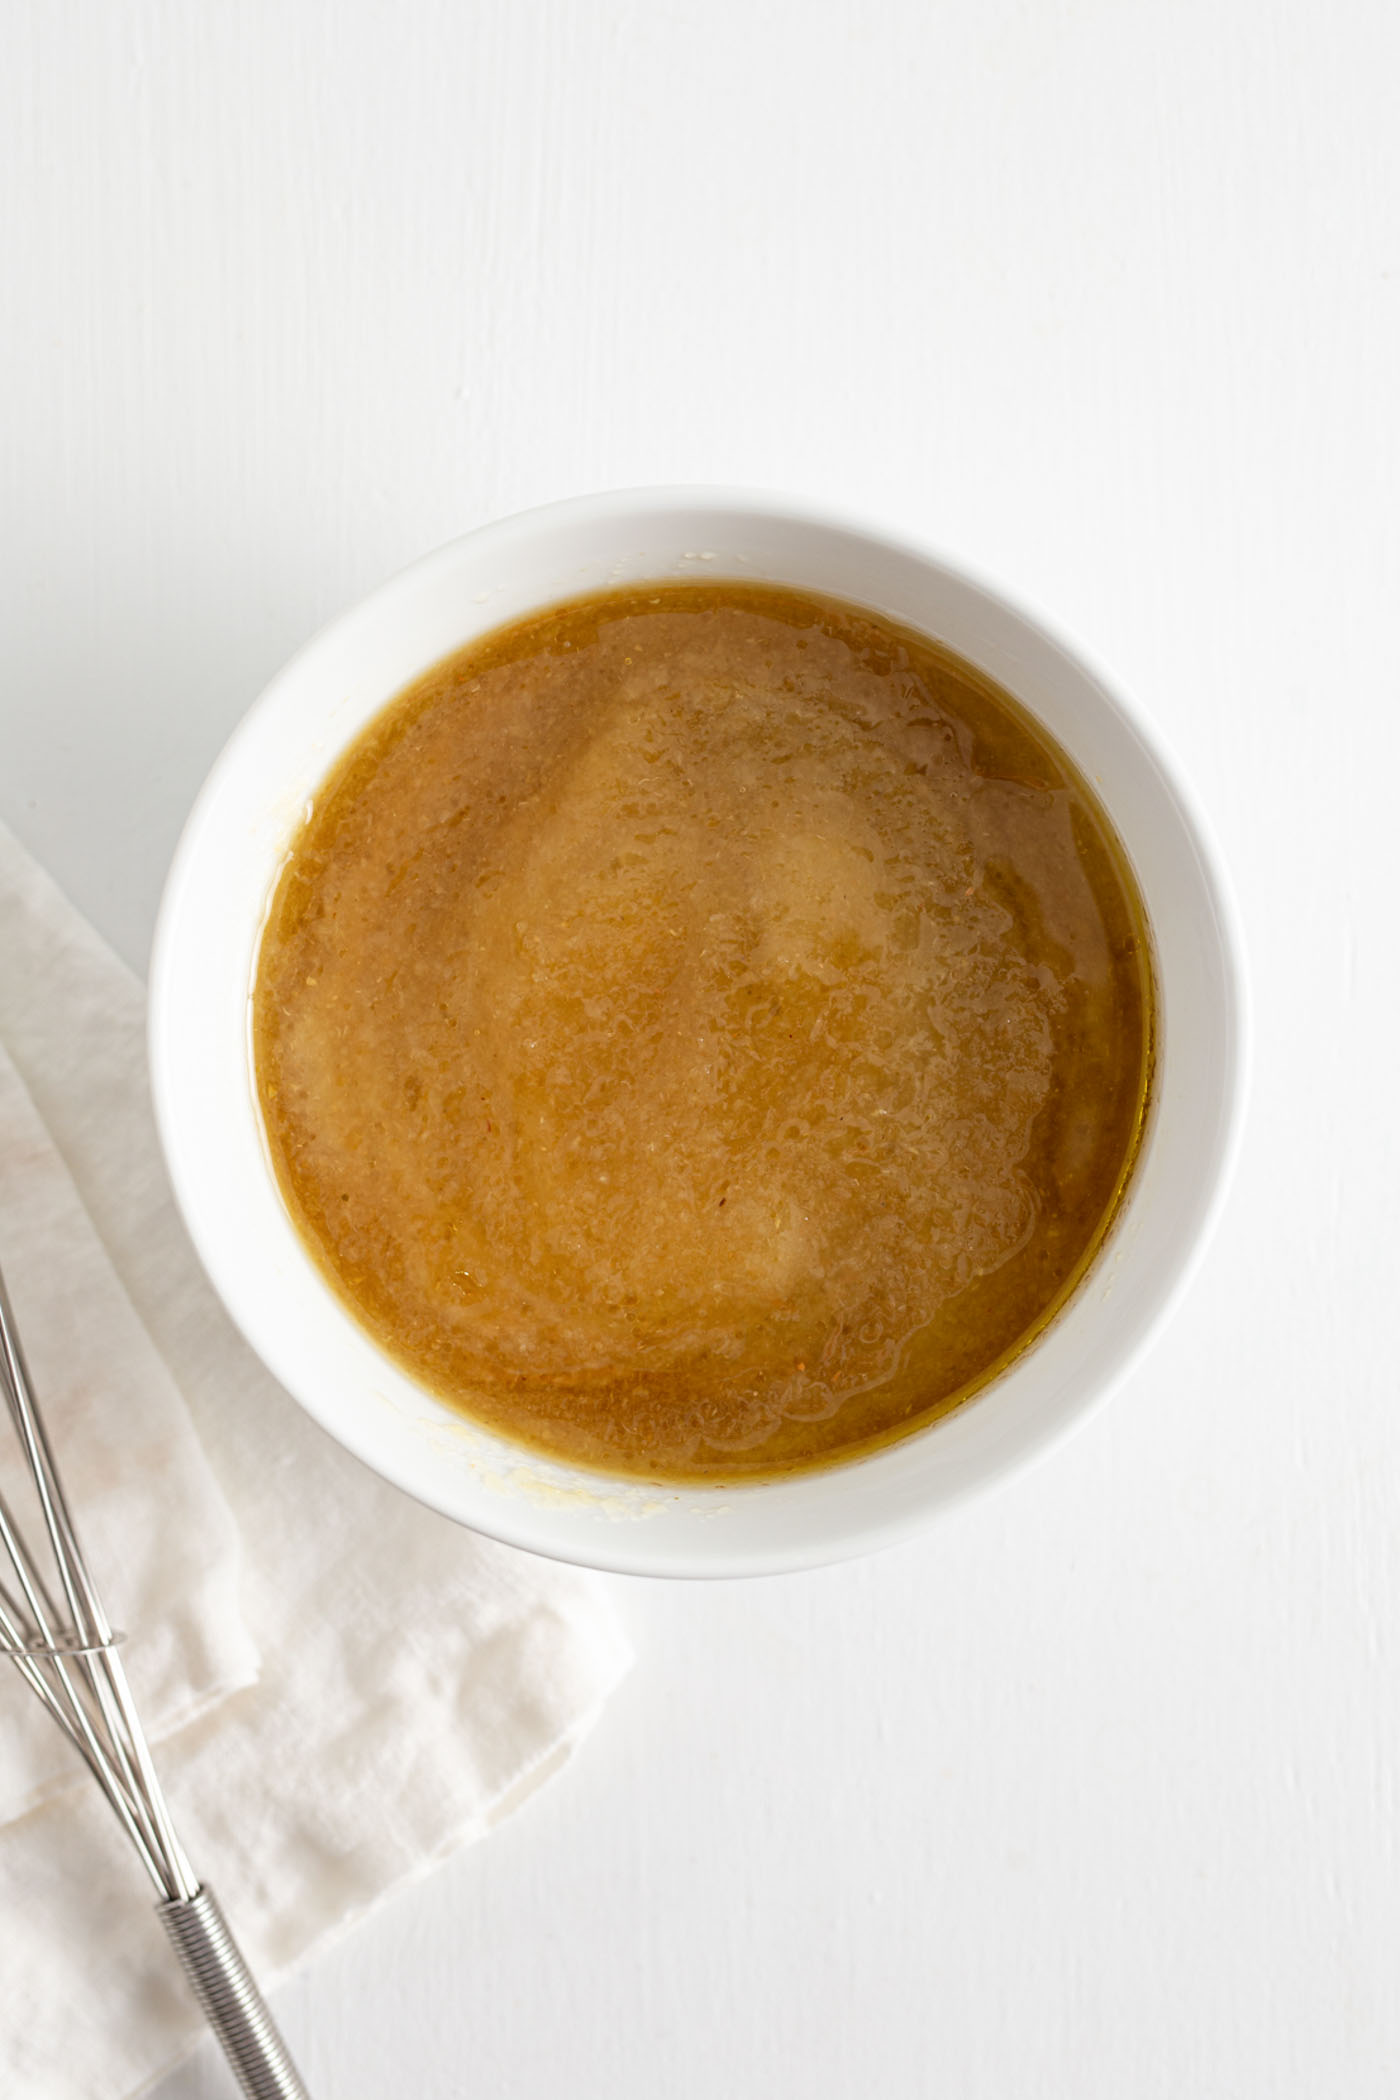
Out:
{"x": 229, "y": 1998}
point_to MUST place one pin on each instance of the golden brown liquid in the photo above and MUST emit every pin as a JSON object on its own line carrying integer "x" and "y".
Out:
{"x": 704, "y": 1031}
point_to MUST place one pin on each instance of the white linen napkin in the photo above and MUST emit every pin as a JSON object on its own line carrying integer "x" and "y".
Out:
{"x": 343, "y": 1686}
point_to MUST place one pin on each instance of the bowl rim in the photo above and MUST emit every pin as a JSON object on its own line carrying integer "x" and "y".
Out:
{"x": 624, "y": 1549}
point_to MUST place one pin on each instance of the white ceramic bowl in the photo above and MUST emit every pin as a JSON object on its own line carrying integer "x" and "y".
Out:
{"x": 202, "y": 971}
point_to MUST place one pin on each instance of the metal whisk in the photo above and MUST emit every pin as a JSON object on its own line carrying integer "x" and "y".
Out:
{"x": 53, "y": 1625}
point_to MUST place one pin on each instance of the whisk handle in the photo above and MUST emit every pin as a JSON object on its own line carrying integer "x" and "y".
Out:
{"x": 230, "y": 2000}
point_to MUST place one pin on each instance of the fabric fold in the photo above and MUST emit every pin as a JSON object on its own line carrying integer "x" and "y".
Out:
{"x": 112, "y": 1409}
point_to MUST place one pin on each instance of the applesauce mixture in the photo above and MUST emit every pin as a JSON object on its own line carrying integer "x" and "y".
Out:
{"x": 704, "y": 1031}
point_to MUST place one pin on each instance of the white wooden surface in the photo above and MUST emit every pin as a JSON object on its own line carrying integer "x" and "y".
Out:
{"x": 1094, "y": 1793}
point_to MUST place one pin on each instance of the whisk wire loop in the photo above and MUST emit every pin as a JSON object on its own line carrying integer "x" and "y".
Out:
{"x": 67, "y": 1653}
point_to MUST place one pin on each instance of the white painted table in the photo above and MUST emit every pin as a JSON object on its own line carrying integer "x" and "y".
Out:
{"x": 1095, "y": 1794}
